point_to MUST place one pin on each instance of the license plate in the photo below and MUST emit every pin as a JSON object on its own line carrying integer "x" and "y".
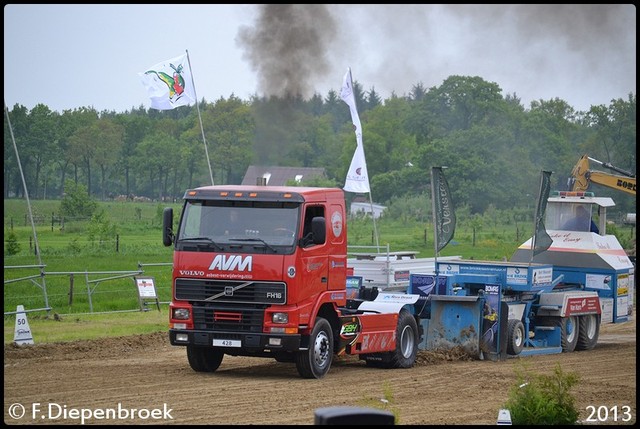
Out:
{"x": 227, "y": 343}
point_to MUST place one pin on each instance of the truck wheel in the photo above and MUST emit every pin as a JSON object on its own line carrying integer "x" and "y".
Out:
{"x": 204, "y": 359}
{"x": 588, "y": 332}
{"x": 404, "y": 356}
{"x": 316, "y": 361}
{"x": 515, "y": 337}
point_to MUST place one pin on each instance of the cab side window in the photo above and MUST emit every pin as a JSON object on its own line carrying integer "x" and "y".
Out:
{"x": 311, "y": 212}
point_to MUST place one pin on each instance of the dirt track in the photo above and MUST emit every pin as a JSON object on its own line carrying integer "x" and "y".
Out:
{"x": 145, "y": 372}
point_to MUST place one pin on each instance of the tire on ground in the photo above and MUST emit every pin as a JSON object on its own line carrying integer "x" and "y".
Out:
{"x": 204, "y": 359}
{"x": 588, "y": 332}
{"x": 316, "y": 361}
{"x": 406, "y": 351}
{"x": 569, "y": 330}
{"x": 404, "y": 356}
{"x": 515, "y": 337}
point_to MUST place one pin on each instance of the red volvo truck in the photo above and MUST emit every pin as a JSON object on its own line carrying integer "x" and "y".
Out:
{"x": 262, "y": 271}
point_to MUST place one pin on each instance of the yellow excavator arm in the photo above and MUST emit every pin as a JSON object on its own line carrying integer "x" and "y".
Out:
{"x": 582, "y": 176}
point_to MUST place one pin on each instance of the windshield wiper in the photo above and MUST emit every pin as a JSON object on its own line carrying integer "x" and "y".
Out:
{"x": 270, "y": 247}
{"x": 208, "y": 241}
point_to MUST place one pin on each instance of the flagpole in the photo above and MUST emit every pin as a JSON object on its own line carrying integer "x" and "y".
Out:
{"x": 435, "y": 226}
{"x": 206, "y": 151}
{"x": 535, "y": 227}
{"x": 373, "y": 215}
{"x": 375, "y": 230}
{"x": 539, "y": 231}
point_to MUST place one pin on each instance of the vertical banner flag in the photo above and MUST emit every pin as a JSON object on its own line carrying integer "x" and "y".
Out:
{"x": 357, "y": 177}
{"x": 541, "y": 240}
{"x": 445, "y": 217}
{"x": 169, "y": 83}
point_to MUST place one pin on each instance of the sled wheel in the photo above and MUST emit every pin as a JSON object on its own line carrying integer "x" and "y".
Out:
{"x": 588, "y": 332}
{"x": 515, "y": 337}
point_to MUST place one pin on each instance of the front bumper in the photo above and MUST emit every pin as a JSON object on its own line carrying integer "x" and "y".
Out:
{"x": 251, "y": 344}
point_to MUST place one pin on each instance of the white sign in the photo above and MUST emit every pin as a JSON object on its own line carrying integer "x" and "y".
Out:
{"x": 146, "y": 287}
{"x": 22, "y": 334}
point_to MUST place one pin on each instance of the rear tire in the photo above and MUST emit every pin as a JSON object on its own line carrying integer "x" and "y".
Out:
{"x": 515, "y": 337}
{"x": 316, "y": 361}
{"x": 404, "y": 356}
{"x": 204, "y": 359}
{"x": 588, "y": 332}
{"x": 406, "y": 351}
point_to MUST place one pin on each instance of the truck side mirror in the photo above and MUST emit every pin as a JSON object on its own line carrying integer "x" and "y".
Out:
{"x": 167, "y": 226}
{"x": 319, "y": 230}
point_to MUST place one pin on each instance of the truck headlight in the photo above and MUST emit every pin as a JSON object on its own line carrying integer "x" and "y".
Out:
{"x": 180, "y": 314}
{"x": 280, "y": 318}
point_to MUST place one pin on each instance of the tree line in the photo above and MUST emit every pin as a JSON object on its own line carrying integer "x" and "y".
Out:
{"x": 493, "y": 146}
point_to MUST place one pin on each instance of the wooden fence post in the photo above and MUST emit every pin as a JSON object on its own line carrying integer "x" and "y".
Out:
{"x": 70, "y": 289}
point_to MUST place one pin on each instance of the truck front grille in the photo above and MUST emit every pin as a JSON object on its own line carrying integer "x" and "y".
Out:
{"x": 231, "y": 291}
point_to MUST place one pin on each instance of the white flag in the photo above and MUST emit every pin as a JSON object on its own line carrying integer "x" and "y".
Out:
{"x": 357, "y": 177}
{"x": 169, "y": 84}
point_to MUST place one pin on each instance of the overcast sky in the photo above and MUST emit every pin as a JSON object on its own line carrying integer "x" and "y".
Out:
{"x": 71, "y": 56}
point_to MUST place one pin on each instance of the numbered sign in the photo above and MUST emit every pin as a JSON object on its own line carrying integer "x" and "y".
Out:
{"x": 22, "y": 334}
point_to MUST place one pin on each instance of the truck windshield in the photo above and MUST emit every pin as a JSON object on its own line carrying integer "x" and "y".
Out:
{"x": 271, "y": 226}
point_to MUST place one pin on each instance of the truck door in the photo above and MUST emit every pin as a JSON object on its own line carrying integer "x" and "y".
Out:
{"x": 337, "y": 243}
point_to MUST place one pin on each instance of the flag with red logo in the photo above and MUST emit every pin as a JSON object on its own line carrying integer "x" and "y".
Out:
{"x": 169, "y": 83}
{"x": 357, "y": 177}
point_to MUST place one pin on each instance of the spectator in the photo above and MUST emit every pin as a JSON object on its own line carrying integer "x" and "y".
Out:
{"x": 234, "y": 225}
{"x": 581, "y": 221}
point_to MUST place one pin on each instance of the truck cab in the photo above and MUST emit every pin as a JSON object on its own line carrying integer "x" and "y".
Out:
{"x": 262, "y": 271}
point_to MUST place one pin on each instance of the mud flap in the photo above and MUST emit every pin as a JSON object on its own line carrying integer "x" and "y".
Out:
{"x": 504, "y": 321}
{"x": 456, "y": 321}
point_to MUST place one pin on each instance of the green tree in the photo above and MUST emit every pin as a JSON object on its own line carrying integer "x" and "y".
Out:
{"x": 67, "y": 124}
{"x": 230, "y": 132}
{"x": 109, "y": 137}
{"x": 538, "y": 399}
{"x": 76, "y": 201}
{"x": 100, "y": 228}
{"x": 12, "y": 247}
{"x": 40, "y": 145}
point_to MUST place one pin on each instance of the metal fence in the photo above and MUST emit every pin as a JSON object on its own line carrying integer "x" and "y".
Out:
{"x": 100, "y": 288}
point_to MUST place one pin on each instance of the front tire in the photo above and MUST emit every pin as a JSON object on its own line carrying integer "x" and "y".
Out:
{"x": 204, "y": 359}
{"x": 316, "y": 361}
{"x": 588, "y": 332}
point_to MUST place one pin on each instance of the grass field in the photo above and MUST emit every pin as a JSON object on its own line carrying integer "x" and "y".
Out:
{"x": 52, "y": 329}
